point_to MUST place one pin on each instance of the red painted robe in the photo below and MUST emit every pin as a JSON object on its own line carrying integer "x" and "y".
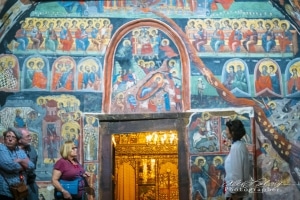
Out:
{"x": 263, "y": 82}
{"x": 39, "y": 80}
{"x": 293, "y": 83}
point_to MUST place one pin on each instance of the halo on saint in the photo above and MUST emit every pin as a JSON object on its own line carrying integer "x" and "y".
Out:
{"x": 272, "y": 104}
{"x": 191, "y": 21}
{"x": 201, "y": 22}
{"x": 206, "y": 116}
{"x": 294, "y": 67}
{"x": 125, "y": 42}
{"x": 165, "y": 41}
{"x": 285, "y": 22}
{"x": 218, "y": 158}
{"x": 140, "y": 62}
{"x": 200, "y": 158}
{"x": 91, "y": 63}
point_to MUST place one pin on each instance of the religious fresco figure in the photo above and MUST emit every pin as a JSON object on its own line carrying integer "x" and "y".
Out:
{"x": 203, "y": 136}
{"x": 9, "y": 76}
{"x": 90, "y": 138}
{"x": 294, "y": 80}
{"x": 250, "y": 39}
{"x": 145, "y": 41}
{"x": 217, "y": 39}
{"x": 267, "y": 78}
{"x": 166, "y": 51}
{"x": 268, "y": 38}
{"x": 149, "y": 85}
{"x": 21, "y": 36}
{"x": 200, "y": 38}
{"x": 105, "y": 35}
{"x": 97, "y": 41}
{"x": 63, "y": 74}
{"x": 35, "y": 72}
{"x": 90, "y": 78}
{"x": 284, "y": 38}
{"x": 228, "y": 83}
{"x": 134, "y": 39}
{"x": 190, "y": 29}
{"x": 155, "y": 42}
{"x": 264, "y": 80}
{"x": 235, "y": 37}
{"x": 199, "y": 174}
{"x": 82, "y": 41}
{"x": 66, "y": 38}
{"x": 235, "y": 77}
{"x": 36, "y": 36}
{"x": 51, "y": 39}
{"x": 39, "y": 78}
{"x": 92, "y": 179}
{"x": 216, "y": 172}
{"x": 274, "y": 79}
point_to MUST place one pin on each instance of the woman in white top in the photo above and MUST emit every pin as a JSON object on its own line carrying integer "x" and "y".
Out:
{"x": 236, "y": 163}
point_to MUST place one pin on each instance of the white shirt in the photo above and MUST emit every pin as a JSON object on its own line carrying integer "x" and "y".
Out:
{"x": 237, "y": 169}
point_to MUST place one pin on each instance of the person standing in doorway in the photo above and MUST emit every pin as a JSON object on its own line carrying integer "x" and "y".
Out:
{"x": 25, "y": 144}
{"x": 237, "y": 162}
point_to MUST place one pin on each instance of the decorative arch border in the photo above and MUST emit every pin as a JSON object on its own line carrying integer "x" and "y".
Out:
{"x": 111, "y": 49}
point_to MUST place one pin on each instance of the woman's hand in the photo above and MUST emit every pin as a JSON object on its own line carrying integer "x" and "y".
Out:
{"x": 66, "y": 194}
{"x": 86, "y": 174}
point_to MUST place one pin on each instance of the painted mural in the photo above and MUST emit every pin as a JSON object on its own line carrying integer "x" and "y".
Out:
{"x": 240, "y": 53}
{"x": 51, "y": 121}
{"x": 208, "y": 148}
{"x": 147, "y": 73}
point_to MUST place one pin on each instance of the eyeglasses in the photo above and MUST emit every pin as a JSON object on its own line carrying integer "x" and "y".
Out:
{"x": 10, "y": 137}
{"x": 73, "y": 148}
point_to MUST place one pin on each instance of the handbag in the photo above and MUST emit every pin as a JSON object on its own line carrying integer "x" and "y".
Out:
{"x": 70, "y": 186}
{"x": 88, "y": 189}
{"x": 19, "y": 190}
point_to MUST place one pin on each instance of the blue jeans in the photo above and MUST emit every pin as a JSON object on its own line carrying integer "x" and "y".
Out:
{"x": 33, "y": 192}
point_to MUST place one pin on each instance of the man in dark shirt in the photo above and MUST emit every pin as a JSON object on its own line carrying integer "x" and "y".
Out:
{"x": 24, "y": 143}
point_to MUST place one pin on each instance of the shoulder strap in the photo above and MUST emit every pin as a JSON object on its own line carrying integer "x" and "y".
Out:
{"x": 86, "y": 184}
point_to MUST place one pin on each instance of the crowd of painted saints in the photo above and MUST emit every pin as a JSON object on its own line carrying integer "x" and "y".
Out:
{"x": 241, "y": 35}
{"x": 226, "y": 35}
{"x": 63, "y": 34}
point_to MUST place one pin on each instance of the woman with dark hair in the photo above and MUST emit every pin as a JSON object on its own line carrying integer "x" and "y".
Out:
{"x": 236, "y": 163}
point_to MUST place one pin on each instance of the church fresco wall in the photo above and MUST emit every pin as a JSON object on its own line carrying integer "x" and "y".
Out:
{"x": 58, "y": 67}
{"x": 208, "y": 149}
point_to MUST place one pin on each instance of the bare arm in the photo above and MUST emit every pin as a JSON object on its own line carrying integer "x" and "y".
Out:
{"x": 56, "y": 174}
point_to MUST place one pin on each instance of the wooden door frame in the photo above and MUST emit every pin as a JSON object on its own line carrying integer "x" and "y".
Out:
{"x": 116, "y": 124}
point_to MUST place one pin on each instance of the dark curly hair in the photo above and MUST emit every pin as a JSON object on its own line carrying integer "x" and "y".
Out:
{"x": 236, "y": 129}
